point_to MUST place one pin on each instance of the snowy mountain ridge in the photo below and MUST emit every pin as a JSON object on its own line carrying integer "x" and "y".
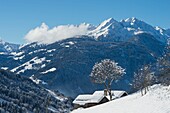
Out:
{"x": 126, "y": 28}
{"x": 6, "y": 47}
{"x": 108, "y": 30}
{"x": 70, "y": 60}
{"x": 155, "y": 101}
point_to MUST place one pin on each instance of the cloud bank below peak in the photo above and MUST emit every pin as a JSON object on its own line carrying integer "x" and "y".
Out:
{"x": 43, "y": 34}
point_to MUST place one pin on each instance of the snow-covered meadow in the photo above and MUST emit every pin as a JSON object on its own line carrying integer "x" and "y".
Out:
{"x": 157, "y": 100}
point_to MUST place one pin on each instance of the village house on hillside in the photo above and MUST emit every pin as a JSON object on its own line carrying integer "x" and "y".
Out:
{"x": 98, "y": 97}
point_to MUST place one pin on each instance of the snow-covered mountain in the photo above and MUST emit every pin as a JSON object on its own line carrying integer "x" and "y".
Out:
{"x": 108, "y": 29}
{"x": 6, "y": 47}
{"x": 113, "y": 30}
{"x": 6, "y": 50}
{"x": 155, "y": 101}
{"x": 65, "y": 65}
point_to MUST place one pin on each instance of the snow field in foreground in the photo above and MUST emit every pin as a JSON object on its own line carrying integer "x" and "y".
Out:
{"x": 157, "y": 100}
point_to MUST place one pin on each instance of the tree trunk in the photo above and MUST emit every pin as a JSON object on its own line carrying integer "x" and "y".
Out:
{"x": 109, "y": 87}
{"x": 110, "y": 94}
{"x": 141, "y": 92}
{"x": 145, "y": 90}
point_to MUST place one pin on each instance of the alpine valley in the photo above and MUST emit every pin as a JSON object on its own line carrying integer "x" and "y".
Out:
{"x": 65, "y": 65}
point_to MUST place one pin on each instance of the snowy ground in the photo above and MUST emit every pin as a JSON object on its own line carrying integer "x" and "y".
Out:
{"x": 157, "y": 100}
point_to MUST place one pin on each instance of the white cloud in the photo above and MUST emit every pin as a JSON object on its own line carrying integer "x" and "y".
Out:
{"x": 43, "y": 34}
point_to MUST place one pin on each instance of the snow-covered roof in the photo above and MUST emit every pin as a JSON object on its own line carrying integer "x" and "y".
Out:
{"x": 115, "y": 93}
{"x": 96, "y": 97}
{"x": 83, "y": 99}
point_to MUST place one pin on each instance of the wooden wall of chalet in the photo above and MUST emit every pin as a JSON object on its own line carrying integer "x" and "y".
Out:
{"x": 104, "y": 100}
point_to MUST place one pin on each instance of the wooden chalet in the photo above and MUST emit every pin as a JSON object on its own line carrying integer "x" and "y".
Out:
{"x": 98, "y": 97}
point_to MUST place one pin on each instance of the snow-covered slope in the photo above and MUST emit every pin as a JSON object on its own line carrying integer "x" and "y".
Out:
{"x": 157, "y": 100}
{"x": 6, "y": 47}
{"x": 65, "y": 65}
{"x": 168, "y": 32}
{"x": 18, "y": 93}
{"x": 6, "y": 50}
{"x": 110, "y": 30}
{"x": 136, "y": 26}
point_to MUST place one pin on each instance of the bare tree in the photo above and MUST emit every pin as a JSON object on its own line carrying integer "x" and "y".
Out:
{"x": 143, "y": 79}
{"x": 163, "y": 67}
{"x": 105, "y": 73}
{"x": 164, "y": 62}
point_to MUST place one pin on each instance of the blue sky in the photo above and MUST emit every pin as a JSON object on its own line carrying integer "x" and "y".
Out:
{"x": 17, "y": 17}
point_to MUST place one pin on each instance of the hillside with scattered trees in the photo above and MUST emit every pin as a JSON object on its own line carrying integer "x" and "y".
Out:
{"x": 19, "y": 94}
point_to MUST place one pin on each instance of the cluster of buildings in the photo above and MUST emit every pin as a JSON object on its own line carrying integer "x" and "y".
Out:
{"x": 98, "y": 97}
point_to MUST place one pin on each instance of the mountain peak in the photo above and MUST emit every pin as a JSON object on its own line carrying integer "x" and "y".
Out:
{"x": 2, "y": 42}
{"x": 105, "y": 27}
{"x": 127, "y": 28}
{"x": 106, "y": 23}
{"x": 8, "y": 47}
{"x": 110, "y": 20}
{"x": 132, "y": 19}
